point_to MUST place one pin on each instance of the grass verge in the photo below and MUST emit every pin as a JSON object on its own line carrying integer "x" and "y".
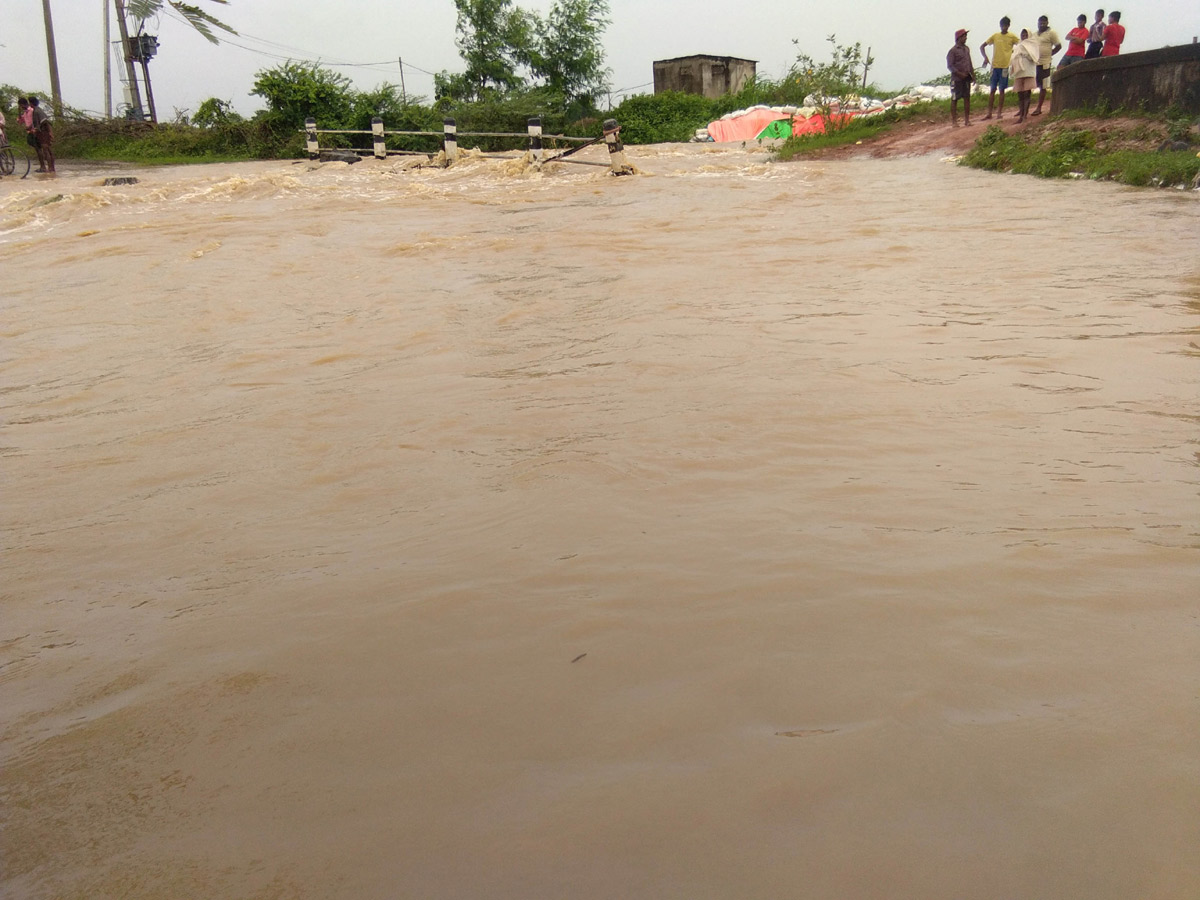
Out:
{"x": 1105, "y": 148}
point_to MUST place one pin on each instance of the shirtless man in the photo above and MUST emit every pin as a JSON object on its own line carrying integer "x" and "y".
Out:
{"x": 1096, "y": 36}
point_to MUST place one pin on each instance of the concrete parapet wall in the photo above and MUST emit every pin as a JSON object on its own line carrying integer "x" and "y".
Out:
{"x": 1152, "y": 79}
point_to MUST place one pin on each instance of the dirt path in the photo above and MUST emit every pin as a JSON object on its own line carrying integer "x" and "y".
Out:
{"x": 918, "y": 137}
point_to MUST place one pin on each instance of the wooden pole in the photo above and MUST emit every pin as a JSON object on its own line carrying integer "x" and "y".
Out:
{"x": 403, "y": 92}
{"x": 134, "y": 93}
{"x": 107, "y": 63}
{"x": 52, "y": 55}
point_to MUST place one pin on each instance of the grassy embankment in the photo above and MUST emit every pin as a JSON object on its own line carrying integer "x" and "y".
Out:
{"x": 1118, "y": 145}
{"x": 1121, "y": 146}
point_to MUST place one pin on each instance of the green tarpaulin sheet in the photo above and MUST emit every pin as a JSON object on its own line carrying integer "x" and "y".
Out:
{"x": 780, "y": 128}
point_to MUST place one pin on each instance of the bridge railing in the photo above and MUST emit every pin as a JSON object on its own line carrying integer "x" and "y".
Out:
{"x": 617, "y": 162}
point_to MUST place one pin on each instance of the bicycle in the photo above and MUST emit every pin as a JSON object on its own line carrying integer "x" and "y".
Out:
{"x": 11, "y": 158}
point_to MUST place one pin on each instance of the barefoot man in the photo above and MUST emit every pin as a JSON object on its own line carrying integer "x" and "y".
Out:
{"x": 962, "y": 75}
{"x": 1002, "y": 43}
{"x": 1049, "y": 44}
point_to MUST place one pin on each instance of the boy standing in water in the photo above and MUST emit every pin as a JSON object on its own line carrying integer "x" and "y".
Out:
{"x": 1002, "y": 43}
{"x": 25, "y": 117}
{"x": 1096, "y": 36}
{"x": 44, "y": 136}
{"x": 962, "y": 74}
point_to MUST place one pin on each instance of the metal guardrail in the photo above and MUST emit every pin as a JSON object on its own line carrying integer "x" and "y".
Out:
{"x": 450, "y": 134}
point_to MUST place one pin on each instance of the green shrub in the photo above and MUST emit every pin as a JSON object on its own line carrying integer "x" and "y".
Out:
{"x": 659, "y": 118}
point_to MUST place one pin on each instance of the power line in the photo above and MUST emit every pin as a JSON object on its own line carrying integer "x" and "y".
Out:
{"x": 307, "y": 56}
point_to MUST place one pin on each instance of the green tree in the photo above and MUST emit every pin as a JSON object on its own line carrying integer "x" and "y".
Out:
{"x": 213, "y": 113}
{"x": 493, "y": 37}
{"x": 568, "y": 52}
{"x": 836, "y": 82}
{"x": 202, "y": 21}
{"x": 294, "y": 91}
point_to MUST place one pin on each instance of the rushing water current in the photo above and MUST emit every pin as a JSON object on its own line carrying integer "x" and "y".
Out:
{"x": 734, "y": 530}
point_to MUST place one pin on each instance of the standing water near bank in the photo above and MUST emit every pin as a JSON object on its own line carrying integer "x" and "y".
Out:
{"x": 737, "y": 529}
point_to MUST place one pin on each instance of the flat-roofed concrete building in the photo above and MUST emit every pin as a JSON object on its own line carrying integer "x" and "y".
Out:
{"x": 709, "y": 76}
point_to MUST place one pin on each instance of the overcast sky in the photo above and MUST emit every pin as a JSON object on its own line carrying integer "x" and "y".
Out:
{"x": 909, "y": 43}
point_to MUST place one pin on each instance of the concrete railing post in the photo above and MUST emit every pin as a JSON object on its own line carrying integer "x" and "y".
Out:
{"x": 377, "y": 134}
{"x": 616, "y": 150}
{"x": 450, "y": 140}
{"x": 310, "y": 135}
{"x": 535, "y": 139}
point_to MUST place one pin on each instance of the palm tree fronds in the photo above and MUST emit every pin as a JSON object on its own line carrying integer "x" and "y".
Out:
{"x": 202, "y": 21}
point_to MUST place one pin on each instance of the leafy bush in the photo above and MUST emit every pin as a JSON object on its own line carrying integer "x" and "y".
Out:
{"x": 213, "y": 113}
{"x": 657, "y": 118}
{"x": 296, "y": 91}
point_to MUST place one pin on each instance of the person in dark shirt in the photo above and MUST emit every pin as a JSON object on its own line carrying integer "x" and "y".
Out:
{"x": 1096, "y": 36}
{"x": 44, "y": 135}
{"x": 962, "y": 76}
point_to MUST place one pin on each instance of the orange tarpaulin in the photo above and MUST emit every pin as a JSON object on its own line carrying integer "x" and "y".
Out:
{"x": 748, "y": 126}
{"x": 744, "y": 127}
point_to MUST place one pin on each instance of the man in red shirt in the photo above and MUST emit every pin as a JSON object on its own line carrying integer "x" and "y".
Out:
{"x": 1114, "y": 34}
{"x": 1076, "y": 43}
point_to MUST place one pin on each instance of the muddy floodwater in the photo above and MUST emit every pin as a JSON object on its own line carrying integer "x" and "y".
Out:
{"x": 736, "y": 530}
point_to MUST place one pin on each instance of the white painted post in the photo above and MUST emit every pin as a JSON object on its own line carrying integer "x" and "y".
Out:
{"x": 616, "y": 150}
{"x": 450, "y": 140}
{"x": 377, "y": 134}
{"x": 310, "y": 133}
{"x": 535, "y": 139}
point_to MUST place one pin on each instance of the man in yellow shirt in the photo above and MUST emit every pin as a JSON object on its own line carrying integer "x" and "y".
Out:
{"x": 1002, "y": 43}
{"x": 1049, "y": 44}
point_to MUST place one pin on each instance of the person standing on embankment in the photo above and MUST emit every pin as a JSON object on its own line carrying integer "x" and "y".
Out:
{"x": 1076, "y": 43}
{"x": 1048, "y": 45}
{"x": 1114, "y": 35}
{"x": 1096, "y": 36}
{"x": 1002, "y": 43}
{"x": 1023, "y": 67}
{"x": 962, "y": 76}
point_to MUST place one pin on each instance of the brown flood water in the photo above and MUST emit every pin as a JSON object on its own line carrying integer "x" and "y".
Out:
{"x": 741, "y": 530}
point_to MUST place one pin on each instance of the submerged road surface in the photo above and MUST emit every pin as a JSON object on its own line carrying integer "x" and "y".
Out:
{"x": 739, "y": 530}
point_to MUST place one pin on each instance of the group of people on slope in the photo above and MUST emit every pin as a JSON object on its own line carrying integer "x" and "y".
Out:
{"x": 1027, "y": 60}
{"x": 38, "y": 132}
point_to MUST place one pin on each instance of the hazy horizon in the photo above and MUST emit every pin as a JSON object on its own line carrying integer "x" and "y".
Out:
{"x": 364, "y": 40}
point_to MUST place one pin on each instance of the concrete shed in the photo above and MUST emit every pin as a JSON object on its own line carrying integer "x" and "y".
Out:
{"x": 709, "y": 76}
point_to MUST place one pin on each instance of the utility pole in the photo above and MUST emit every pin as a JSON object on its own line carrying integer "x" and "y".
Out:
{"x": 107, "y": 63}
{"x": 55, "y": 92}
{"x": 146, "y": 72}
{"x": 403, "y": 93}
{"x": 866, "y": 68}
{"x": 135, "y": 94}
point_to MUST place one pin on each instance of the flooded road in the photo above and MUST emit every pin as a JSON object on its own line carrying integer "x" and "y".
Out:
{"x": 823, "y": 530}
